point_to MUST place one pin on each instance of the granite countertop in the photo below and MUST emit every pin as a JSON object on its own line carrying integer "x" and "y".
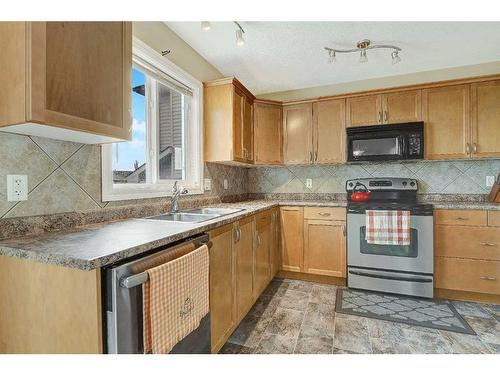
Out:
{"x": 97, "y": 245}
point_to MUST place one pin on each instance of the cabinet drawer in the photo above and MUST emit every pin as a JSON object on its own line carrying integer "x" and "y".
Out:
{"x": 467, "y": 242}
{"x": 460, "y": 217}
{"x": 480, "y": 276}
{"x": 494, "y": 218}
{"x": 324, "y": 213}
{"x": 263, "y": 218}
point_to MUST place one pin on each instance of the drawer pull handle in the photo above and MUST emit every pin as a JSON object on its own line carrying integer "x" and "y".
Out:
{"x": 489, "y": 278}
{"x": 488, "y": 244}
{"x": 462, "y": 218}
{"x": 324, "y": 214}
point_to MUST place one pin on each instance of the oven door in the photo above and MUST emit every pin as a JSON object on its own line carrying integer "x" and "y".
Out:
{"x": 418, "y": 257}
{"x": 375, "y": 146}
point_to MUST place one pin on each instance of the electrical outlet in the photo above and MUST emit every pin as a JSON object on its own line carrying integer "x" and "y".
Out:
{"x": 309, "y": 183}
{"x": 490, "y": 180}
{"x": 207, "y": 184}
{"x": 17, "y": 187}
{"x": 226, "y": 184}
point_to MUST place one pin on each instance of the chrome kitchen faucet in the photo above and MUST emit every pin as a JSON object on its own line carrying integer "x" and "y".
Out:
{"x": 176, "y": 193}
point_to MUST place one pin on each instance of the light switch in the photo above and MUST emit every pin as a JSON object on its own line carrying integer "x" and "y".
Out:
{"x": 309, "y": 183}
{"x": 490, "y": 180}
{"x": 207, "y": 184}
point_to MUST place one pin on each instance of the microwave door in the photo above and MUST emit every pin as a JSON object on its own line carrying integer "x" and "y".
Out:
{"x": 377, "y": 148}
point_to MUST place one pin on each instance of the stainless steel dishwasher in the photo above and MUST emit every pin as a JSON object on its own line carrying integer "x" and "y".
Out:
{"x": 123, "y": 301}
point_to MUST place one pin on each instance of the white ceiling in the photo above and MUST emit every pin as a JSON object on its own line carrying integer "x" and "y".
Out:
{"x": 280, "y": 56}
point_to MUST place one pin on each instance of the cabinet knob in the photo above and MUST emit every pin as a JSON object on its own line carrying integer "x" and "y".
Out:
{"x": 467, "y": 148}
{"x": 474, "y": 148}
{"x": 380, "y": 117}
{"x": 488, "y": 278}
{"x": 386, "y": 116}
{"x": 488, "y": 244}
{"x": 462, "y": 218}
{"x": 324, "y": 213}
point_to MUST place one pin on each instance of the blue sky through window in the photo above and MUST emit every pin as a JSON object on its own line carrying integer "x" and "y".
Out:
{"x": 129, "y": 152}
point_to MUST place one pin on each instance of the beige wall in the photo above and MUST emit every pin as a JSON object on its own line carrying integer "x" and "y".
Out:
{"x": 159, "y": 37}
{"x": 386, "y": 82}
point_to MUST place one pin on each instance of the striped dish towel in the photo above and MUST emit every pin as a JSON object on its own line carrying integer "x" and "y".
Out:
{"x": 175, "y": 299}
{"x": 387, "y": 227}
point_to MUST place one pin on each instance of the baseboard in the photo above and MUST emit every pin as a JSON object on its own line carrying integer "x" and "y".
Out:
{"x": 322, "y": 279}
{"x": 466, "y": 296}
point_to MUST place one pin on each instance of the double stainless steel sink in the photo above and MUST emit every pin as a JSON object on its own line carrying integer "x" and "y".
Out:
{"x": 196, "y": 215}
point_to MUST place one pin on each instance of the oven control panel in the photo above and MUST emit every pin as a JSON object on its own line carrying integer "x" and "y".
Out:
{"x": 400, "y": 184}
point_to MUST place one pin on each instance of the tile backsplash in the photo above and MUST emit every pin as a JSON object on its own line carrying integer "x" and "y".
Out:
{"x": 434, "y": 177}
{"x": 66, "y": 177}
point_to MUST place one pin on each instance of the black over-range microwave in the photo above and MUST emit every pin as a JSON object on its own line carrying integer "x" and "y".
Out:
{"x": 386, "y": 142}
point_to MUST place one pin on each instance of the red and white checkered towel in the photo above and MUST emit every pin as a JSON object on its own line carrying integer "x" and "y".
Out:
{"x": 387, "y": 227}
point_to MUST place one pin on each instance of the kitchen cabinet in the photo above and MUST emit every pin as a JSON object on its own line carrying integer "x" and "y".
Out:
{"x": 263, "y": 238}
{"x": 297, "y": 134}
{"x": 364, "y": 110}
{"x": 324, "y": 248}
{"x": 329, "y": 131}
{"x": 292, "y": 238}
{"x": 66, "y": 80}
{"x": 388, "y": 108}
{"x": 52, "y": 309}
{"x": 222, "y": 288}
{"x": 244, "y": 252}
{"x": 267, "y": 132}
{"x": 228, "y": 121}
{"x": 275, "y": 244}
{"x": 485, "y": 142}
{"x": 446, "y": 115}
{"x": 471, "y": 270}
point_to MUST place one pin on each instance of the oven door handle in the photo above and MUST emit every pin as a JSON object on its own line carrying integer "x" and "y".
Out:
{"x": 389, "y": 277}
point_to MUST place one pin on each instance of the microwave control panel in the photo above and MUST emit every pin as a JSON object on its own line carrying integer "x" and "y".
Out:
{"x": 414, "y": 145}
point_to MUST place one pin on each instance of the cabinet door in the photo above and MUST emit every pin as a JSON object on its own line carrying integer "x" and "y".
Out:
{"x": 275, "y": 244}
{"x": 262, "y": 252}
{"x": 364, "y": 110}
{"x": 238, "y": 100}
{"x": 244, "y": 267}
{"x": 446, "y": 113}
{"x": 404, "y": 106}
{"x": 247, "y": 129}
{"x": 486, "y": 119}
{"x": 222, "y": 319}
{"x": 324, "y": 248}
{"x": 80, "y": 76}
{"x": 297, "y": 127}
{"x": 267, "y": 133}
{"x": 329, "y": 131}
{"x": 292, "y": 238}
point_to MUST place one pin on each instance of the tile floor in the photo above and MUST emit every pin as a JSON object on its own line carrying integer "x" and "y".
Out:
{"x": 299, "y": 317}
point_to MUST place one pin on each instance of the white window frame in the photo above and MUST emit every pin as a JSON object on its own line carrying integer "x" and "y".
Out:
{"x": 192, "y": 148}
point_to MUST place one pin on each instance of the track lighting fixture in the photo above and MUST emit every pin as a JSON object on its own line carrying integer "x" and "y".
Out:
{"x": 205, "y": 26}
{"x": 362, "y": 46}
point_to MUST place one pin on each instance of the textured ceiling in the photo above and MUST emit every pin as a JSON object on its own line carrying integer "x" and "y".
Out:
{"x": 279, "y": 56}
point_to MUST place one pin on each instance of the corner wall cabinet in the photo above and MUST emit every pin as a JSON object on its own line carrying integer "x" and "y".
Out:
{"x": 66, "y": 80}
{"x": 228, "y": 121}
{"x": 267, "y": 117}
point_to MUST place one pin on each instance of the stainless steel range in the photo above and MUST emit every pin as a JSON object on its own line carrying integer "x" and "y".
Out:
{"x": 401, "y": 269}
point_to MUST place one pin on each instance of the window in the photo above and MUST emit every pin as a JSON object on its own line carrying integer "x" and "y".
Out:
{"x": 166, "y": 143}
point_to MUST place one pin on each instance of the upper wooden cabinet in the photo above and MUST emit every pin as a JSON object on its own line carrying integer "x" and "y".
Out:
{"x": 297, "y": 134}
{"x": 485, "y": 119}
{"x": 66, "y": 80}
{"x": 228, "y": 128}
{"x": 364, "y": 110}
{"x": 389, "y": 108}
{"x": 446, "y": 115}
{"x": 267, "y": 133}
{"x": 329, "y": 131}
{"x": 402, "y": 106}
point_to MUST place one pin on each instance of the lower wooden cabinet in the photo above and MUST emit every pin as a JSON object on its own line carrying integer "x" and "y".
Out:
{"x": 243, "y": 249}
{"x": 263, "y": 238}
{"x": 292, "y": 238}
{"x": 324, "y": 248}
{"x": 467, "y": 254}
{"x": 314, "y": 240}
{"x": 275, "y": 259}
{"x": 222, "y": 314}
